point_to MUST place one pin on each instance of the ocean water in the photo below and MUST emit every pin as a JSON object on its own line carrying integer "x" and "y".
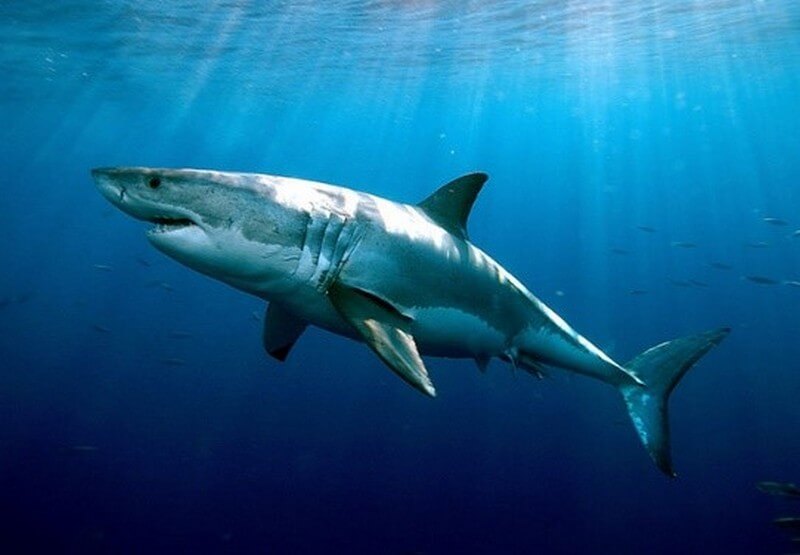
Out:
{"x": 636, "y": 153}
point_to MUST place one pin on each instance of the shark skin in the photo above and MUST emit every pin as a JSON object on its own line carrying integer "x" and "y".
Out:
{"x": 404, "y": 279}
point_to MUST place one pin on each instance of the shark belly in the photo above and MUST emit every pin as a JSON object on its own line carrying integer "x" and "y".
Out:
{"x": 314, "y": 307}
{"x": 455, "y": 333}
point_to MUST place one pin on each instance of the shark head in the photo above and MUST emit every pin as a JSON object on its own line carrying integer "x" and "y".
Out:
{"x": 226, "y": 225}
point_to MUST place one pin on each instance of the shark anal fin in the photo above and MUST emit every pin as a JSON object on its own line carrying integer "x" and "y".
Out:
{"x": 483, "y": 362}
{"x": 385, "y": 331}
{"x": 281, "y": 330}
{"x": 450, "y": 205}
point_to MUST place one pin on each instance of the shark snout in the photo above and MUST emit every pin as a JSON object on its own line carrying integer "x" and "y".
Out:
{"x": 135, "y": 191}
{"x": 99, "y": 172}
{"x": 112, "y": 189}
{"x": 105, "y": 174}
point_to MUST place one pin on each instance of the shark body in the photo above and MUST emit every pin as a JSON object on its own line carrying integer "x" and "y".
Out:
{"x": 404, "y": 279}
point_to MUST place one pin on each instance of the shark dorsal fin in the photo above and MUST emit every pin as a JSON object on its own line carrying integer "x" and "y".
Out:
{"x": 450, "y": 205}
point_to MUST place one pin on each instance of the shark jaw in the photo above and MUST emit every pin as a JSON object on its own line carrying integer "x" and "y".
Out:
{"x": 170, "y": 224}
{"x": 166, "y": 224}
{"x": 178, "y": 237}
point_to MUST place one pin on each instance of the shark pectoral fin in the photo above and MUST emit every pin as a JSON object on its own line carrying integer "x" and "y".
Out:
{"x": 398, "y": 350}
{"x": 385, "y": 330}
{"x": 281, "y": 331}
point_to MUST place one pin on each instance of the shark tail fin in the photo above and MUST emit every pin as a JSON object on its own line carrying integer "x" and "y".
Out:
{"x": 661, "y": 368}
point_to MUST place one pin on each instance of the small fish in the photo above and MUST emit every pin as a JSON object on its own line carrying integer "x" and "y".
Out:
{"x": 720, "y": 266}
{"x": 84, "y": 448}
{"x": 781, "y": 489}
{"x": 255, "y": 316}
{"x": 637, "y": 292}
{"x": 619, "y": 251}
{"x": 103, "y": 267}
{"x": 559, "y": 293}
{"x": 22, "y": 298}
{"x": 77, "y": 450}
{"x": 792, "y": 283}
{"x": 158, "y": 283}
{"x": 683, "y": 244}
{"x": 775, "y": 222}
{"x": 101, "y": 328}
{"x": 698, "y": 283}
{"x": 796, "y": 234}
{"x": 788, "y": 522}
{"x": 757, "y": 244}
{"x": 173, "y": 361}
{"x": 646, "y": 228}
{"x": 761, "y": 280}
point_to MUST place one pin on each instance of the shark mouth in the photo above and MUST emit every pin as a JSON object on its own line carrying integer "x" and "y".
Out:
{"x": 164, "y": 224}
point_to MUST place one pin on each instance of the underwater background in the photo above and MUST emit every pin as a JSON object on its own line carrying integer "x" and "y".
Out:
{"x": 644, "y": 163}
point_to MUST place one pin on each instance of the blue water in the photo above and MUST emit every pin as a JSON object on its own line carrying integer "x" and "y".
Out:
{"x": 138, "y": 413}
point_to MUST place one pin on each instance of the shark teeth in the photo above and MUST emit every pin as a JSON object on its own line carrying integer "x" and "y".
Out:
{"x": 165, "y": 224}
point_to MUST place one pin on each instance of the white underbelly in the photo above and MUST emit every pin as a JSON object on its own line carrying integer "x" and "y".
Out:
{"x": 316, "y": 308}
{"x": 451, "y": 332}
{"x": 439, "y": 331}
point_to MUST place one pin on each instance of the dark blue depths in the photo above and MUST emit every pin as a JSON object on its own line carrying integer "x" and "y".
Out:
{"x": 636, "y": 154}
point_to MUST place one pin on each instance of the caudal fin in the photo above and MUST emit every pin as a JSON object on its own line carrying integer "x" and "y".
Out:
{"x": 661, "y": 368}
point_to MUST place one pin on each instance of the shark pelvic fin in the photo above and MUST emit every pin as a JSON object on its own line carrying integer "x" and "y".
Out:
{"x": 281, "y": 330}
{"x": 450, "y": 205}
{"x": 661, "y": 368}
{"x": 385, "y": 331}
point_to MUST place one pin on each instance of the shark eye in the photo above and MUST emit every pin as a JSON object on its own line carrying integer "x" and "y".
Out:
{"x": 154, "y": 182}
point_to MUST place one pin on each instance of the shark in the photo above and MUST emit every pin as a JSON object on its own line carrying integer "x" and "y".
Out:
{"x": 404, "y": 279}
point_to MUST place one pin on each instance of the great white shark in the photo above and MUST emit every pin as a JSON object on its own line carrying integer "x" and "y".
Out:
{"x": 404, "y": 279}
